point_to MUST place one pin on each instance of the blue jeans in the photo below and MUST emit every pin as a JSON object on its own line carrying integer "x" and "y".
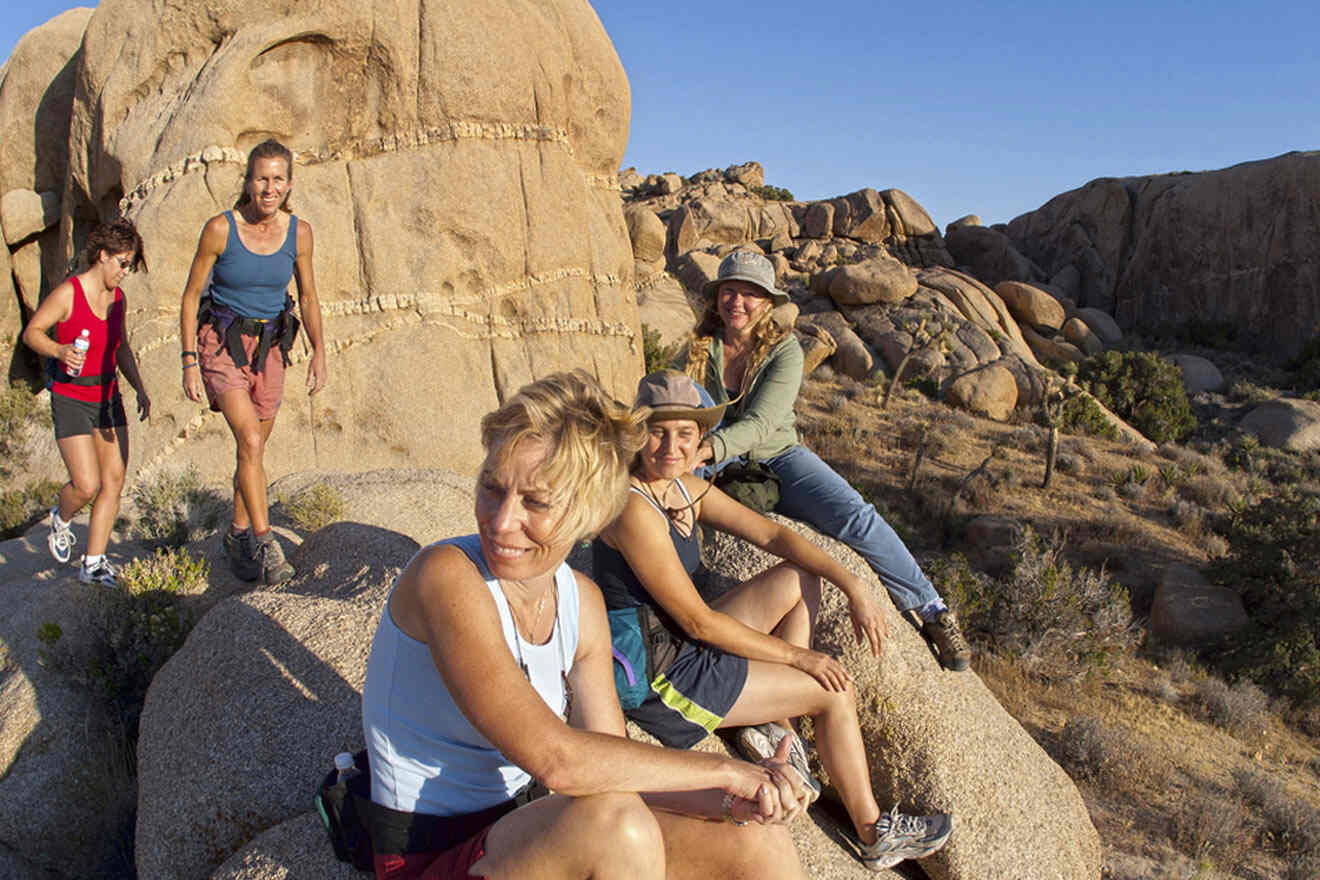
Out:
{"x": 810, "y": 491}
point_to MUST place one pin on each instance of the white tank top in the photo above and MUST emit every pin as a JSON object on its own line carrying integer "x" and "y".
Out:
{"x": 425, "y": 757}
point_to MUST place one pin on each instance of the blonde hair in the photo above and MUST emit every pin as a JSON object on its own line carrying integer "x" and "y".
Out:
{"x": 766, "y": 334}
{"x": 590, "y": 441}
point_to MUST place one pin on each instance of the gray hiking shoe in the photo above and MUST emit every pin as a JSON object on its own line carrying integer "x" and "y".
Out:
{"x": 269, "y": 557}
{"x": 241, "y": 560}
{"x": 900, "y": 837}
{"x": 60, "y": 540}
{"x": 760, "y": 742}
{"x": 100, "y": 573}
{"x": 946, "y": 635}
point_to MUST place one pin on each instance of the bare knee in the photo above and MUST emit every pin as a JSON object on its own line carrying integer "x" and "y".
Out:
{"x": 85, "y": 487}
{"x": 622, "y": 826}
{"x": 251, "y": 445}
{"x": 762, "y": 851}
{"x": 112, "y": 480}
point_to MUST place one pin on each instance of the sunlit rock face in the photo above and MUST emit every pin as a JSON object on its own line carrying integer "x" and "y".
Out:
{"x": 457, "y": 163}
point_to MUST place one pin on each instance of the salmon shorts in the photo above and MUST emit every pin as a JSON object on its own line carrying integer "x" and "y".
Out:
{"x": 452, "y": 864}
{"x": 219, "y": 374}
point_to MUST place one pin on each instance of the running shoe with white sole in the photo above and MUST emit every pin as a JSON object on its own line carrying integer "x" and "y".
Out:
{"x": 900, "y": 837}
{"x": 761, "y": 741}
{"x": 101, "y": 573}
{"x": 60, "y": 539}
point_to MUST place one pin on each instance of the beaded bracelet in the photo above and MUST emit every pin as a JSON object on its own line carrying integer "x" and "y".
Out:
{"x": 728, "y": 809}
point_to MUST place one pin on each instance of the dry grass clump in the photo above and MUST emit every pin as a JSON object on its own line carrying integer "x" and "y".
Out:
{"x": 315, "y": 507}
{"x": 1089, "y": 749}
{"x": 1241, "y": 709}
{"x": 1292, "y": 825}
{"x": 1215, "y": 831}
{"x": 175, "y": 507}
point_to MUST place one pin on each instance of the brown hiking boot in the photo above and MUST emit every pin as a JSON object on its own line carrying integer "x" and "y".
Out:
{"x": 269, "y": 556}
{"x": 945, "y": 634}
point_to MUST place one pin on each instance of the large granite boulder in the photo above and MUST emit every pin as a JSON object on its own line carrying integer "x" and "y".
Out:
{"x": 36, "y": 100}
{"x": 940, "y": 741}
{"x": 1285, "y": 424}
{"x": 988, "y": 254}
{"x": 1031, "y": 305}
{"x": 1236, "y": 245}
{"x": 1189, "y": 611}
{"x": 881, "y": 279}
{"x": 469, "y": 230}
{"x": 1198, "y": 373}
{"x": 989, "y": 391}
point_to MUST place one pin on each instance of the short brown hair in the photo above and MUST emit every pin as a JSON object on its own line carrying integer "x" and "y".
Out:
{"x": 590, "y": 441}
{"x": 118, "y": 236}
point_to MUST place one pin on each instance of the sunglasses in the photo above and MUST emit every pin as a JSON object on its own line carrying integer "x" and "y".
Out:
{"x": 125, "y": 265}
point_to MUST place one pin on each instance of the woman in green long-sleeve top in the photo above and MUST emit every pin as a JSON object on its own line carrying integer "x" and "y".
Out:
{"x": 744, "y": 359}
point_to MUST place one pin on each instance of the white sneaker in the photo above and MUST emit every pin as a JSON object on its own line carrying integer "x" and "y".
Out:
{"x": 60, "y": 539}
{"x": 102, "y": 573}
{"x": 761, "y": 741}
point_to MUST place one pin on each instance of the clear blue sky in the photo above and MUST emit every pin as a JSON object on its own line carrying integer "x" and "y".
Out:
{"x": 969, "y": 107}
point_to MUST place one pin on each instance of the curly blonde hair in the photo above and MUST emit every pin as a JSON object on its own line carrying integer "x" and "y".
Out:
{"x": 590, "y": 442}
{"x": 766, "y": 334}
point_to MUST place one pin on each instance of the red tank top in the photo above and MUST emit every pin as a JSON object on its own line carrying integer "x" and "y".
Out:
{"x": 105, "y": 337}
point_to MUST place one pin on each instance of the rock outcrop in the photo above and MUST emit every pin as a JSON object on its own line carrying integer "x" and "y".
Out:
{"x": 1235, "y": 245}
{"x": 469, "y": 233}
{"x": 1288, "y": 424}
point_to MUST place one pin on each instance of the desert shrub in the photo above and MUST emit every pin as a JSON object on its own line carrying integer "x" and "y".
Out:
{"x": 1274, "y": 559}
{"x": 314, "y": 507}
{"x": 1215, "y": 830}
{"x": 1305, "y": 366}
{"x": 1088, "y": 749}
{"x": 1243, "y": 391}
{"x": 142, "y": 624}
{"x": 1142, "y": 389}
{"x": 656, "y": 354}
{"x": 22, "y": 501}
{"x": 1080, "y": 415}
{"x": 1044, "y": 610}
{"x": 20, "y": 508}
{"x": 1293, "y": 825}
{"x": 771, "y": 193}
{"x": 1239, "y": 709}
{"x": 130, "y": 631}
{"x": 175, "y": 508}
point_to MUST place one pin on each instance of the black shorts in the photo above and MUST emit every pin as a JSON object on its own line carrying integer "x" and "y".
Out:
{"x": 76, "y": 417}
{"x": 690, "y": 699}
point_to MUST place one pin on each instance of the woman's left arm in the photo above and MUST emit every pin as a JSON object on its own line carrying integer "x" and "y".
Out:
{"x": 722, "y": 512}
{"x": 596, "y": 708}
{"x": 127, "y": 364}
{"x": 768, "y": 408}
{"x": 310, "y": 307}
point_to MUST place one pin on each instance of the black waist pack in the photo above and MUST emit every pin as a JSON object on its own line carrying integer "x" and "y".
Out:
{"x": 359, "y": 828}
{"x": 750, "y": 483}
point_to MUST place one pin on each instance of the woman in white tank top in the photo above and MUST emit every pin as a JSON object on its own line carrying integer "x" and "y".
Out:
{"x": 491, "y": 667}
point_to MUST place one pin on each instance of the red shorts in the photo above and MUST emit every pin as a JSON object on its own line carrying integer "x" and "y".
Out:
{"x": 265, "y": 387}
{"x": 452, "y": 864}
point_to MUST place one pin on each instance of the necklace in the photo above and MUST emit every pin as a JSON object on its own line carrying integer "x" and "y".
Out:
{"x": 559, "y": 645}
{"x": 674, "y": 513}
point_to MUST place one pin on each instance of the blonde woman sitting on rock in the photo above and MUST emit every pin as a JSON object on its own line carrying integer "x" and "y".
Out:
{"x": 745, "y": 660}
{"x": 491, "y": 670}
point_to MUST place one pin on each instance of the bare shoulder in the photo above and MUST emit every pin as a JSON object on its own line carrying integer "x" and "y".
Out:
{"x": 304, "y": 235}
{"x": 436, "y": 586}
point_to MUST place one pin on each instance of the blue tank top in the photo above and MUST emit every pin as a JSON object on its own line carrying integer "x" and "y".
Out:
{"x": 254, "y": 285}
{"x": 425, "y": 757}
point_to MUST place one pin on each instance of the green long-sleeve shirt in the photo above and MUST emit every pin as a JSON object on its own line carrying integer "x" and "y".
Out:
{"x": 761, "y": 424}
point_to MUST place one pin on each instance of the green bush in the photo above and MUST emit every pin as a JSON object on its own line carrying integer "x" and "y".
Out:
{"x": 771, "y": 193}
{"x": 175, "y": 508}
{"x": 1274, "y": 559}
{"x": 1044, "y": 610}
{"x": 139, "y": 626}
{"x": 656, "y": 354}
{"x": 315, "y": 507}
{"x": 20, "y": 508}
{"x": 1080, "y": 415}
{"x": 1142, "y": 389}
{"x": 18, "y": 410}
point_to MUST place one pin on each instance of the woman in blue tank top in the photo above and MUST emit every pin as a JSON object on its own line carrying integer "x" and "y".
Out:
{"x": 746, "y": 658}
{"x": 236, "y": 354}
{"x": 491, "y": 667}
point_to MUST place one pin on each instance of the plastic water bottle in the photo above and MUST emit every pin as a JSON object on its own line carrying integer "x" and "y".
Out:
{"x": 345, "y": 768}
{"x": 81, "y": 345}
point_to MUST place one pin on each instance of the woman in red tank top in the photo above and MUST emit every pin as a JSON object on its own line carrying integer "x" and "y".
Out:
{"x": 91, "y": 429}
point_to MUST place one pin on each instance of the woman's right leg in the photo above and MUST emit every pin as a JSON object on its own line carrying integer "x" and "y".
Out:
{"x": 774, "y": 691}
{"x": 79, "y": 454}
{"x": 603, "y": 836}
